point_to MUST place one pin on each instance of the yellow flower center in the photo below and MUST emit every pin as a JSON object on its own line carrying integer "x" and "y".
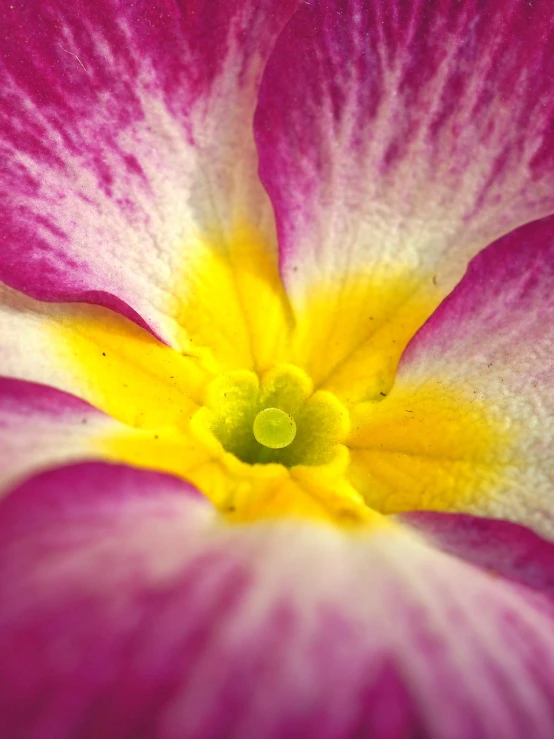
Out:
{"x": 278, "y": 420}
{"x": 272, "y": 412}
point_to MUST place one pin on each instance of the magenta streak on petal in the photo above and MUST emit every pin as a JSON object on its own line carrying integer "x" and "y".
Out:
{"x": 366, "y": 105}
{"x": 92, "y": 490}
{"x": 502, "y": 548}
{"x": 502, "y": 308}
{"x": 99, "y": 297}
{"x": 96, "y": 132}
{"x": 27, "y": 398}
{"x": 41, "y": 427}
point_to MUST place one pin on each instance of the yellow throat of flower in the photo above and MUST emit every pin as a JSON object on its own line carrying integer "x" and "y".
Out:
{"x": 274, "y": 413}
{"x": 239, "y": 409}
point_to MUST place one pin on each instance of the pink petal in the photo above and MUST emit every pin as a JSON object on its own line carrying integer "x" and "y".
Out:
{"x": 406, "y": 136}
{"x": 130, "y": 610}
{"x": 502, "y": 548}
{"x": 115, "y": 157}
{"x": 99, "y": 356}
{"x": 41, "y": 427}
{"x": 494, "y": 337}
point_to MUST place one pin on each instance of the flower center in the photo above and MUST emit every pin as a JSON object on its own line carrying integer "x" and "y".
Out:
{"x": 274, "y": 428}
{"x": 276, "y": 419}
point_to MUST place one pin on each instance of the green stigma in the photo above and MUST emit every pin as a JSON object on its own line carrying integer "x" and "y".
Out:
{"x": 274, "y": 428}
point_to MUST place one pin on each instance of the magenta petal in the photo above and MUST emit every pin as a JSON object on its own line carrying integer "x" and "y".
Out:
{"x": 501, "y": 548}
{"x": 494, "y": 337}
{"x": 129, "y": 610}
{"x": 406, "y": 134}
{"x": 41, "y": 427}
{"x": 114, "y": 158}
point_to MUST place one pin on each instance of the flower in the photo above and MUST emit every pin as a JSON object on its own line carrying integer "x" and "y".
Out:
{"x": 275, "y": 464}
